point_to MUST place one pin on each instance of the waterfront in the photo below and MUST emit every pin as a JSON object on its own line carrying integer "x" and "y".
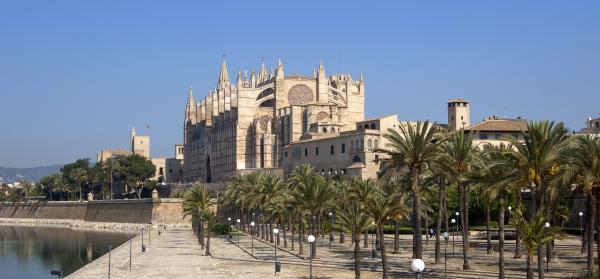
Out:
{"x": 31, "y": 252}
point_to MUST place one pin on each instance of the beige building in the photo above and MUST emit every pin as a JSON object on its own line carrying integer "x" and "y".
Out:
{"x": 592, "y": 127}
{"x": 246, "y": 125}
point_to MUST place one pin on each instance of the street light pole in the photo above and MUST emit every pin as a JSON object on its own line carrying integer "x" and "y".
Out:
{"x": 311, "y": 240}
{"x": 547, "y": 225}
{"x": 453, "y": 221}
{"x": 417, "y": 266}
{"x": 238, "y": 231}
{"x": 581, "y": 231}
{"x": 276, "y": 232}
{"x": 372, "y": 245}
{"x": 330, "y": 229}
{"x": 446, "y": 255}
{"x": 252, "y": 234}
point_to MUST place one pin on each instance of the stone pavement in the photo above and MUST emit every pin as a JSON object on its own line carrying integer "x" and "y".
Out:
{"x": 176, "y": 254}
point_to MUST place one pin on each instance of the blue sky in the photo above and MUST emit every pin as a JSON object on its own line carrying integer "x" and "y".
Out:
{"x": 76, "y": 75}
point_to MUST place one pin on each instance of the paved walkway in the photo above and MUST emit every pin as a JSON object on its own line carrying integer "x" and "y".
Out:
{"x": 176, "y": 254}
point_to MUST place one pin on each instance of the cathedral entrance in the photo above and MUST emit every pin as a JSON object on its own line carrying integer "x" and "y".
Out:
{"x": 208, "y": 172}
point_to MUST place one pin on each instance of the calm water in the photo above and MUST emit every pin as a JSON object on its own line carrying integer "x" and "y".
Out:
{"x": 31, "y": 252}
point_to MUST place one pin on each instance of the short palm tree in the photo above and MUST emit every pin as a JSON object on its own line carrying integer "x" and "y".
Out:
{"x": 357, "y": 221}
{"x": 210, "y": 218}
{"x": 195, "y": 202}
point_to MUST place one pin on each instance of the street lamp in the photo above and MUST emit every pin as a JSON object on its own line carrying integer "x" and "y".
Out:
{"x": 372, "y": 245}
{"x": 457, "y": 220}
{"x": 547, "y": 225}
{"x": 238, "y": 229}
{"x": 252, "y": 234}
{"x": 229, "y": 228}
{"x": 417, "y": 267}
{"x": 446, "y": 236}
{"x": 311, "y": 240}
{"x": 277, "y": 267}
{"x": 581, "y": 230}
{"x": 453, "y": 221}
{"x": 330, "y": 229}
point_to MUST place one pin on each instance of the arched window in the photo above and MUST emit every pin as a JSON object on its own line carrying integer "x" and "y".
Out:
{"x": 356, "y": 159}
{"x": 324, "y": 129}
{"x": 161, "y": 171}
{"x": 369, "y": 144}
{"x": 376, "y": 143}
{"x": 366, "y": 126}
{"x": 373, "y": 126}
{"x": 332, "y": 130}
{"x": 362, "y": 144}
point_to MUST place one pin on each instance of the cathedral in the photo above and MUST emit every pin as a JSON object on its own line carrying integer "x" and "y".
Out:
{"x": 252, "y": 123}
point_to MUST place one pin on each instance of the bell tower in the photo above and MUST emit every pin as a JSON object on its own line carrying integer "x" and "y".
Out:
{"x": 458, "y": 114}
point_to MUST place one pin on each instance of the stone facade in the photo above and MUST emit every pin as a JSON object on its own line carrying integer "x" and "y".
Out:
{"x": 246, "y": 125}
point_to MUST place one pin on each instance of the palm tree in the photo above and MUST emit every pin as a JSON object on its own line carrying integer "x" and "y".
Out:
{"x": 459, "y": 156}
{"x": 381, "y": 207}
{"x": 61, "y": 186}
{"x": 413, "y": 150}
{"x": 357, "y": 221}
{"x": 535, "y": 234}
{"x": 582, "y": 166}
{"x": 362, "y": 190}
{"x": 195, "y": 202}
{"x": 27, "y": 187}
{"x": 79, "y": 176}
{"x": 210, "y": 218}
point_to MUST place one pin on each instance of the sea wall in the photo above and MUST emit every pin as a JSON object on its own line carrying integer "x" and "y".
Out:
{"x": 142, "y": 211}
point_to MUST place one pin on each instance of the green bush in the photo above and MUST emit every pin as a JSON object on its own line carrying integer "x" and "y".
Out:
{"x": 220, "y": 229}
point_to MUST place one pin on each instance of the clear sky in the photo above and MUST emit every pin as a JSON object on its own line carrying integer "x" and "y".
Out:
{"x": 76, "y": 75}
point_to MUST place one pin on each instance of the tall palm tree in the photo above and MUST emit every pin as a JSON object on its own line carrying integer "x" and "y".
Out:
{"x": 381, "y": 207}
{"x": 362, "y": 190}
{"x": 459, "y": 154}
{"x": 61, "y": 186}
{"x": 413, "y": 149}
{"x": 535, "y": 235}
{"x": 582, "y": 166}
{"x": 80, "y": 177}
{"x": 357, "y": 221}
{"x": 195, "y": 202}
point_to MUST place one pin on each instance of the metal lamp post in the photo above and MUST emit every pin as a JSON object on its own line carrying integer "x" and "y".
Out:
{"x": 109, "y": 250}
{"x": 453, "y": 221}
{"x": 330, "y": 228}
{"x": 417, "y": 266}
{"x": 457, "y": 220}
{"x": 372, "y": 244}
{"x": 446, "y": 236}
{"x": 238, "y": 229}
{"x": 229, "y": 228}
{"x": 581, "y": 230}
{"x": 547, "y": 225}
{"x": 311, "y": 240}
{"x": 277, "y": 266}
{"x": 252, "y": 234}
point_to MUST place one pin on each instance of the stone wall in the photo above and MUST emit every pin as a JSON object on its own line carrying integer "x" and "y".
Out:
{"x": 143, "y": 211}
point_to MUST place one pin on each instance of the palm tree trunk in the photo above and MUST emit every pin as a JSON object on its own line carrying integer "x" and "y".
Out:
{"x": 207, "y": 251}
{"x": 383, "y": 254}
{"x": 529, "y": 265}
{"x": 291, "y": 225}
{"x": 314, "y": 231}
{"x": 357, "y": 258}
{"x": 501, "y": 236}
{"x": 591, "y": 221}
{"x": 201, "y": 233}
{"x": 301, "y": 237}
{"x": 487, "y": 227}
{"x": 270, "y": 232}
{"x": 465, "y": 227}
{"x": 418, "y": 247}
{"x": 377, "y": 239}
{"x": 366, "y": 240}
{"x": 426, "y": 229}
{"x": 517, "y": 233}
{"x": 540, "y": 264}
{"x": 396, "y": 237}
{"x": 284, "y": 236}
{"x": 342, "y": 238}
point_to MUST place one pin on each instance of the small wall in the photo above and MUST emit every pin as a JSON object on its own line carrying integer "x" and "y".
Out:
{"x": 142, "y": 211}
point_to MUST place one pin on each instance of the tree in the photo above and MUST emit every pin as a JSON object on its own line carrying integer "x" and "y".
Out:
{"x": 362, "y": 190}
{"x": 381, "y": 207}
{"x": 80, "y": 177}
{"x": 357, "y": 221}
{"x": 135, "y": 170}
{"x": 535, "y": 234}
{"x": 413, "y": 149}
{"x": 195, "y": 202}
{"x": 61, "y": 186}
{"x": 459, "y": 154}
{"x": 210, "y": 218}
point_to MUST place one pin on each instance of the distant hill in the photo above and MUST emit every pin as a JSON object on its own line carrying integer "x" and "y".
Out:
{"x": 14, "y": 174}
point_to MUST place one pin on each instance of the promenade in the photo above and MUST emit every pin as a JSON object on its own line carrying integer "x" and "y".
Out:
{"x": 176, "y": 254}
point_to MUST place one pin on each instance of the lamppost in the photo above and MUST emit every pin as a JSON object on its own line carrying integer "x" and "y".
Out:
{"x": 372, "y": 245}
{"x": 311, "y": 240}
{"x": 229, "y": 228}
{"x": 276, "y": 232}
{"x": 446, "y": 236}
{"x": 457, "y": 220}
{"x": 330, "y": 228}
{"x": 547, "y": 225}
{"x": 252, "y": 234}
{"x": 453, "y": 221}
{"x": 238, "y": 231}
{"x": 417, "y": 267}
{"x": 581, "y": 230}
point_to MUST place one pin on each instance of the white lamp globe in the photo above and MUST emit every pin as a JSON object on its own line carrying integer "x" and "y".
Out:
{"x": 580, "y": 213}
{"x": 547, "y": 225}
{"x": 509, "y": 208}
{"x": 252, "y": 224}
{"x": 446, "y": 235}
{"x": 275, "y": 231}
{"x": 238, "y": 220}
{"x": 311, "y": 238}
{"x": 453, "y": 221}
{"x": 417, "y": 265}
{"x": 330, "y": 213}
{"x": 457, "y": 213}
{"x": 229, "y": 219}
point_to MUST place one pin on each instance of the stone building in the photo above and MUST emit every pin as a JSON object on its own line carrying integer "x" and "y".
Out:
{"x": 592, "y": 127}
{"x": 245, "y": 125}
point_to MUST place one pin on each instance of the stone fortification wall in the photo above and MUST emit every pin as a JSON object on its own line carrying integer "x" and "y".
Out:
{"x": 143, "y": 211}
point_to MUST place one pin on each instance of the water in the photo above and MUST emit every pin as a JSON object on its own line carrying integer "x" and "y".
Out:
{"x": 32, "y": 252}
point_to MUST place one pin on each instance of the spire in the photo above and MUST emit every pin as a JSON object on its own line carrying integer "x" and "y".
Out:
{"x": 271, "y": 73}
{"x": 262, "y": 74}
{"x": 190, "y": 100}
{"x": 190, "y": 108}
{"x": 223, "y": 75}
{"x": 279, "y": 73}
{"x": 253, "y": 79}
{"x": 321, "y": 71}
{"x": 239, "y": 78}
